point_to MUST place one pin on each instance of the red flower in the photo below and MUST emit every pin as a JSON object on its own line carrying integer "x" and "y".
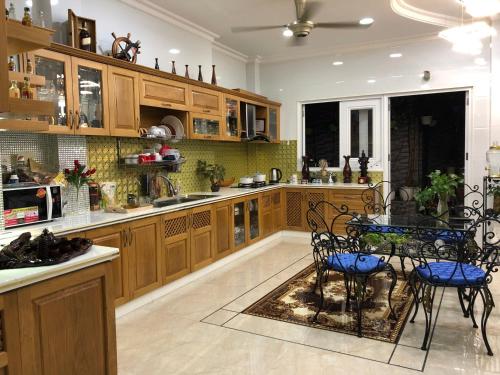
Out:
{"x": 66, "y": 171}
{"x": 77, "y": 163}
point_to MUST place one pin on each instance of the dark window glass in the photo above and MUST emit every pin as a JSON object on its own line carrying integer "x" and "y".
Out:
{"x": 322, "y": 132}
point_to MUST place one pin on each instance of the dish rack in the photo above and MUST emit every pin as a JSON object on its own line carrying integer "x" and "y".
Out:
{"x": 172, "y": 166}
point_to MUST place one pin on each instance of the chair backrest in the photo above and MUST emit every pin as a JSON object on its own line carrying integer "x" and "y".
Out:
{"x": 378, "y": 203}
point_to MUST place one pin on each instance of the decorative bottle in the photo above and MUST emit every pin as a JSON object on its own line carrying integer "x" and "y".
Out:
{"x": 26, "y": 91}
{"x": 29, "y": 67}
{"x": 347, "y": 172}
{"x": 12, "y": 11}
{"x": 214, "y": 77}
{"x": 200, "y": 76}
{"x": 305, "y": 168}
{"x": 85, "y": 38}
{"x": 157, "y": 66}
{"x": 14, "y": 91}
{"x": 186, "y": 74}
{"x": 12, "y": 64}
{"x": 27, "y": 21}
{"x": 173, "y": 67}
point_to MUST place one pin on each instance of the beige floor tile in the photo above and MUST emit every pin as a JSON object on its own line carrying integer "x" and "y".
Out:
{"x": 409, "y": 357}
{"x": 219, "y": 317}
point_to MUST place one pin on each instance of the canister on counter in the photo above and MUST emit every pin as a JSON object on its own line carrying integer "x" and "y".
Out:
{"x": 95, "y": 196}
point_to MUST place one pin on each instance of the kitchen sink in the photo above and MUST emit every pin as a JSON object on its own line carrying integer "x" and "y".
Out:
{"x": 164, "y": 202}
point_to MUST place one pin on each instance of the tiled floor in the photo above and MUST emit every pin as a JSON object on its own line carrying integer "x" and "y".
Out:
{"x": 198, "y": 329}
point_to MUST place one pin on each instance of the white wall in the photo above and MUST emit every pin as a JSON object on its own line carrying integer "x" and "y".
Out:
{"x": 231, "y": 71}
{"x": 316, "y": 78}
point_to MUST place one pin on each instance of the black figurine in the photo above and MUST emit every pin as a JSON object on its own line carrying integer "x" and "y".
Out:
{"x": 363, "y": 166}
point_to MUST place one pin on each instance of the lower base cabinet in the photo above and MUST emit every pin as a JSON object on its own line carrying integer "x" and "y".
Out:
{"x": 266, "y": 214}
{"x": 66, "y": 325}
{"x": 222, "y": 232}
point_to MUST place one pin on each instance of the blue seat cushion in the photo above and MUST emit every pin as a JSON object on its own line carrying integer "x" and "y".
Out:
{"x": 355, "y": 263}
{"x": 452, "y": 273}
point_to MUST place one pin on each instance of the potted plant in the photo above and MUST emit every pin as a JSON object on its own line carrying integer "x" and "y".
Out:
{"x": 443, "y": 186}
{"x": 384, "y": 241}
{"x": 214, "y": 172}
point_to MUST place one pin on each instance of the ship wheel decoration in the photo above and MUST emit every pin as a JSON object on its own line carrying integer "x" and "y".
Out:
{"x": 124, "y": 49}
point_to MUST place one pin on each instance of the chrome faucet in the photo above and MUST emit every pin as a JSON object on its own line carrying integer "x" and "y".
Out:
{"x": 172, "y": 191}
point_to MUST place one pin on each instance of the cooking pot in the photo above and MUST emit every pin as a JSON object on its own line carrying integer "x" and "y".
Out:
{"x": 246, "y": 180}
{"x": 259, "y": 177}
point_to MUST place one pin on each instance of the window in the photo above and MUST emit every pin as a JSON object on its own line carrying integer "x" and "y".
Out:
{"x": 334, "y": 129}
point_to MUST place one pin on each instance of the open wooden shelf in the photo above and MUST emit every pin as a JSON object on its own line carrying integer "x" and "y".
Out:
{"x": 31, "y": 107}
{"x": 24, "y": 125}
{"x": 34, "y": 79}
{"x": 22, "y": 38}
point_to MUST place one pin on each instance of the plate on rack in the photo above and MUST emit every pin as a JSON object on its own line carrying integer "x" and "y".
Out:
{"x": 168, "y": 133}
{"x": 176, "y": 124}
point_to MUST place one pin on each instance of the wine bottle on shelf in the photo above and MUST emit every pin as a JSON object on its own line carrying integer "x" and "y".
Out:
{"x": 12, "y": 64}
{"x": 200, "y": 76}
{"x": 26, "y": 91}
{"x": 214, "y": 77}
{"x": 173, "y": 67}
{"x": 186, "y": 74}
{"x": 85, "y": 38}
{"x": 12, "y": 11}
{"x": 157, "y": 66}
{"x": 14, "y": 91}
{"x": 27, "y": 20}
{"x": 29, "y": 67}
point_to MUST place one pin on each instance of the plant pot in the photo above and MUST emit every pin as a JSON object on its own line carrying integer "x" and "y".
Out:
{"x": 215, "y": 188}
{"x": 407, "y": 193}
{"x": 442, "y": 208}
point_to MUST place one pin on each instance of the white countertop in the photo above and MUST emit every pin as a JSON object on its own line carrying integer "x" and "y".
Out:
{"x": 18, "y": 277}
{"x": 92, "y": 220}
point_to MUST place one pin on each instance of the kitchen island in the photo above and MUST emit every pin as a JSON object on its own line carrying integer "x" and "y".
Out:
{"x": 59, "y": 319}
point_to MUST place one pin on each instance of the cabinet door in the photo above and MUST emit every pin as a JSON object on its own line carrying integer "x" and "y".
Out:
{"x": 294, "y": 209}
{"x": 274, "y": 124}
{"x": 175, "y": 257}
{"x": 123, "y": 102}
{"x": 90, "y": 97}
{"x": 223, "y": 217}
{"x": 58, "y": 89}
{"x": 231, "y": 119}
{"x": 4, "y": 77}
{"x": 314, "y": 196}
{"x": 350, "y": 198}
{"x": 202, "y": 126}
{"x": 254, "y": 230}
{"x": 238, "y": 224}
{"x": 163, "y": 93}
{"x": 277, "y": 211}
{"x": 144, "y": 256}
{"x": 205, "y": 100}
{"x": 267, "y": 214}
{"x": 202, "y": 237}
{"x": 115, "y": 236}
{"x": 67, "y": 324}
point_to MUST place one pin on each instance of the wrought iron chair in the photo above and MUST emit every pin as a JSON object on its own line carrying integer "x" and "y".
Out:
{"x": 454, "y": 259}
{"x": 339, "y": 250}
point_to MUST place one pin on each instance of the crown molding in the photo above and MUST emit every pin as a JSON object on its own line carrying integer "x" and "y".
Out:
{"x": 152, "y": 9}
{"x": 230, "y": 52}
{"x": 402, "y": 8}
{"x": 350, "y": 48}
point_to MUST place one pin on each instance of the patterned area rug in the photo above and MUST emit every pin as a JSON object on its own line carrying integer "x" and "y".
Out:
{"x": 295, "y": 302}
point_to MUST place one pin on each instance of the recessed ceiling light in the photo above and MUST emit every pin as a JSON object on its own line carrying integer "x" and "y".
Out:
{"x": 371, "y": 81}
{"x": 288, "y": 33}
{"x": 337, "y": 63}
{"x": 281, "y": 89}
{"x": 174, "y": 51}
{"x": 480, "y": 61}
{"x": 366, "y": 21}
{"x": 395, "y": 55}
{"x": 481, "y": 8}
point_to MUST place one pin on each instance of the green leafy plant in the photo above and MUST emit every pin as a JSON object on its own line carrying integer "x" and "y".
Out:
{"x": 494, "y": 191}
{"x": 443, "y": 186}
{"x": 379, "y": 239}
{"x": 214, "y": 172}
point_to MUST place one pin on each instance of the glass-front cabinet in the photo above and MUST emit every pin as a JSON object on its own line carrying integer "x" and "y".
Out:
{"x": 231, "y": 119}
{"x": 274, "y": 124}
{"x": 78, "y": 89}
{"x": 239, "y": 224}
{"x": 253, "y": 220}
{"x": 204, "y": 126}
{"x": 246, "y": 221}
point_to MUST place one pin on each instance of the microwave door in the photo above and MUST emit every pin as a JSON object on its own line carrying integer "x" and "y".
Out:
{"x": 25, "y": 206}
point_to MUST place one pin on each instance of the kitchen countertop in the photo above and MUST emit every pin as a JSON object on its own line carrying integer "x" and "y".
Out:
{"x": 92, "y": 220}
{"x": 19, "y": 277}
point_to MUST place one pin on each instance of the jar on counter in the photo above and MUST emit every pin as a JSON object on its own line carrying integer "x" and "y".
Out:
{"x": 493, "y": 159}
{"x": 95, "y": 196}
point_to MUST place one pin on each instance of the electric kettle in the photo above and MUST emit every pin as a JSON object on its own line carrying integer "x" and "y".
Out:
{"x": 275, "y": 176}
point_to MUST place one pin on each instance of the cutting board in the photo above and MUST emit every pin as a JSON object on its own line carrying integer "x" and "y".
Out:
{"x": 128, "y": 209}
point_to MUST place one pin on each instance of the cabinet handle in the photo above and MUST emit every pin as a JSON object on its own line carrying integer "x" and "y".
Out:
{"x": 166, "y": 104}
{"x": 208, "y": 136}
{"x": 207, "y": 111}
{"x": 125, "y": 239}
{"x": 131, "y": 236}
{"x": 77, "y": 118}
{"x": 70, "y": 119}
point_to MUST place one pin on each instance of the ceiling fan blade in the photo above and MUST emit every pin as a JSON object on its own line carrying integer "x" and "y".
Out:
{"x": 311, "y": 9}
{"x": 297, "y": 41}
{"x": 341, "y": 25}
{"x": 244, "y": 29}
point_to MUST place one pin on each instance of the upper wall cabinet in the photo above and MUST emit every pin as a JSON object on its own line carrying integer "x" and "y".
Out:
{"x": 205, "y": 100}
{"x": 163, "y": 93}
{"x": 123, "y": 102}
{"x": 78, "y": 90}
{"x": 231, "y": 118}
{"x": 274, "y": 124}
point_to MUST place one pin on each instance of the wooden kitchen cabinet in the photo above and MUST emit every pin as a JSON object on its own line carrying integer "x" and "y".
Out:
{"x": 204, "y": 126}
{"x": 175, "y": 253}
{"x": 144, "y": 247}
{"x": 67, "y": 324}
{"x": 277, "y": 209}
{"x": 124, "y": 112}
{"x": 222, "y": 231}
{"x": 274, "y": 124}
{"x": 231, "y": 128}
{"x": 295, "y": 209}
{"x": 163, "y": 93}
{"x": 246, "y": 223}
{"x": 115, "y": 236}
{"x": 202, "y": 238}
{"x": 10, "y": 340}
{"x": 266, "y": 214}
{"x": 205, "y": 101}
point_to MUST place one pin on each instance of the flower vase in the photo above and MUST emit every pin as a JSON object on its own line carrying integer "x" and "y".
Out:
{"x": 442, "y": 207}
{"x": 76, "y": 200}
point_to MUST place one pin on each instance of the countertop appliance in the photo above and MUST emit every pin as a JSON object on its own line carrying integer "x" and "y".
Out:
{"x": 275, "y": 176}
{"x": 29, "y": 203}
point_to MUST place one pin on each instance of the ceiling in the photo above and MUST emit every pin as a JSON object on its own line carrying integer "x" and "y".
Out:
{"x": 219, "y": 16}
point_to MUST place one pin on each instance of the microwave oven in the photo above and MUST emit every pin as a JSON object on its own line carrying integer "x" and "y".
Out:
{"x": 28, "y": 203}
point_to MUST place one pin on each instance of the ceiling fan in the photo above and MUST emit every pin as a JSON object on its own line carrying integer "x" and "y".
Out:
{"x": 302, "y": 26}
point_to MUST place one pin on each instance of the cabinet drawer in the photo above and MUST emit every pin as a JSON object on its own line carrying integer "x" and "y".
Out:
{"x": 164, "y": 93}
{"x": 205, "y": 100}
